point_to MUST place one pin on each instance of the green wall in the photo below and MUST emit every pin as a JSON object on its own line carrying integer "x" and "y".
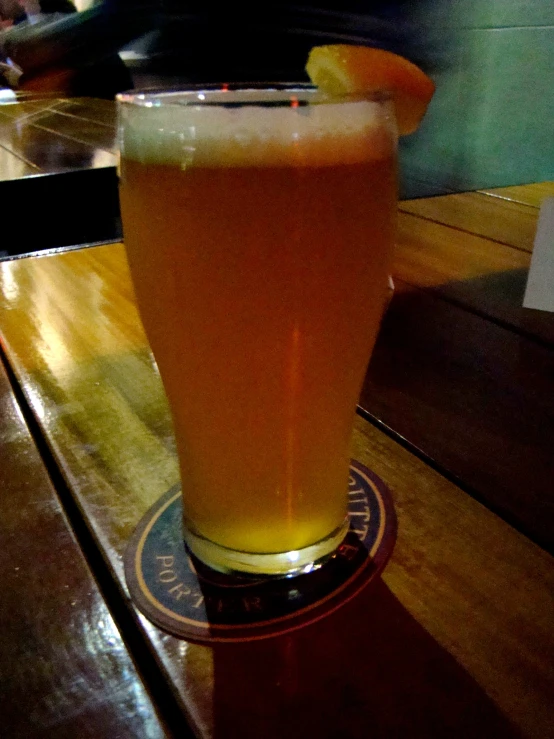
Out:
{"x": 491, "y": 122}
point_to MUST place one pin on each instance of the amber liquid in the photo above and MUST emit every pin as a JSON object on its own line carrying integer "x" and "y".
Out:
{"x": 261, "y": 292}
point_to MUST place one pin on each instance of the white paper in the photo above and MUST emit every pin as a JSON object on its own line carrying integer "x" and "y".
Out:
{"x": 539, "y": 293}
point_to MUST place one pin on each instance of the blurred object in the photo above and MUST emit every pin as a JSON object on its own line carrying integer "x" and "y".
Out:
{"x": 10, "y": 12}
{"x": 78, "y": 38}
{"x": 10, "y": 74}
{"x": 54, "y": 80}
{"x": 39, "y": 10}
{"x": 7, "y": 96}
{"x": 75, "y": 53}
{"x": 210, "y": 42}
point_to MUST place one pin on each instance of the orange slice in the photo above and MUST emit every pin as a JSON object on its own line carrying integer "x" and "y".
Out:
{"x": 340, "y": 69}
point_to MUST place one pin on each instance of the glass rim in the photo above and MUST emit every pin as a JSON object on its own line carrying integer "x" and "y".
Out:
{"x": 242, "y": 94}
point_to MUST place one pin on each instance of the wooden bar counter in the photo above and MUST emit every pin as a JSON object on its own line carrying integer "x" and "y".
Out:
{"x": 64, "y": 667}
{"x": 58, "y": 178}
{"x": 456, "y": 639}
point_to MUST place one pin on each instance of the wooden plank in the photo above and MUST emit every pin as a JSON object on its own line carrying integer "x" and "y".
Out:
{"x": 64, "y": 669}
{"x": 472, "y": 582}
{"x": 429, "y": 254}
{"x": 474, "y": 397}
{"x": 13, "y": 167}
{"x": 99, "y": 111}
{"x": 501, "y": 220}
{"x": 436, "y": 655}
{"x": 50, "y": 152}
{"x": 20, "y": 110}
{"x": 49, "y": 137}
{"x": 77, "y": 129}
{"x": 532, "y": 194}
{"x": 475, "y": 272}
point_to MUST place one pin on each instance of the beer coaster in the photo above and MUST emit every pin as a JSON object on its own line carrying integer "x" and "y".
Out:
{"x": 179, "y": 594}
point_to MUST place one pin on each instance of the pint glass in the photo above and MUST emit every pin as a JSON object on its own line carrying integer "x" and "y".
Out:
{"x": 259, "y": 224}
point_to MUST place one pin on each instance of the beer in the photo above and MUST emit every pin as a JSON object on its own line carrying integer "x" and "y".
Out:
{"x": 259, "y": 243}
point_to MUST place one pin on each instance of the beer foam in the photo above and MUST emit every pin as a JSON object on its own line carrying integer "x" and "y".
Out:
{"x": 200, "y": 135}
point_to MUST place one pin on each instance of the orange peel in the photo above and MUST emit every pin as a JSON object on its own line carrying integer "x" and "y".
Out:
{"x": 340, "y": 69}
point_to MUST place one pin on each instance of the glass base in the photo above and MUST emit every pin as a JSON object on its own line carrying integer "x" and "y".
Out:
{"x": 278, "y": 564}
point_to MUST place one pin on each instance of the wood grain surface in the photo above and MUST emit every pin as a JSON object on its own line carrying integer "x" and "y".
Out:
{"x": 64, "y": 668}
{"x": 499, "y": 219}
{"x": 532, "y": 194}
{"x": 54, "y": 135}
{"x": 13, "y": 167}
{"x": 92, "y": 109}
{"x": 475, "y": 398}
{"x": 76, "y": 128}
{"x": 480, "y": 275}
{"x": 457, "y": 641}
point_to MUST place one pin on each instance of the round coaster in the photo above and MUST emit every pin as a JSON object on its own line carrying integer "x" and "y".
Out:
{"x": 181, "y": 595}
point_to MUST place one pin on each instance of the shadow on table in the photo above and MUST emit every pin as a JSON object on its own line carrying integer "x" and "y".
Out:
{"x": 499, "y": 296}
{"x": 368, "y": 670}
{"x": 65, "y": 209}
{"x": 465, "y": 356}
